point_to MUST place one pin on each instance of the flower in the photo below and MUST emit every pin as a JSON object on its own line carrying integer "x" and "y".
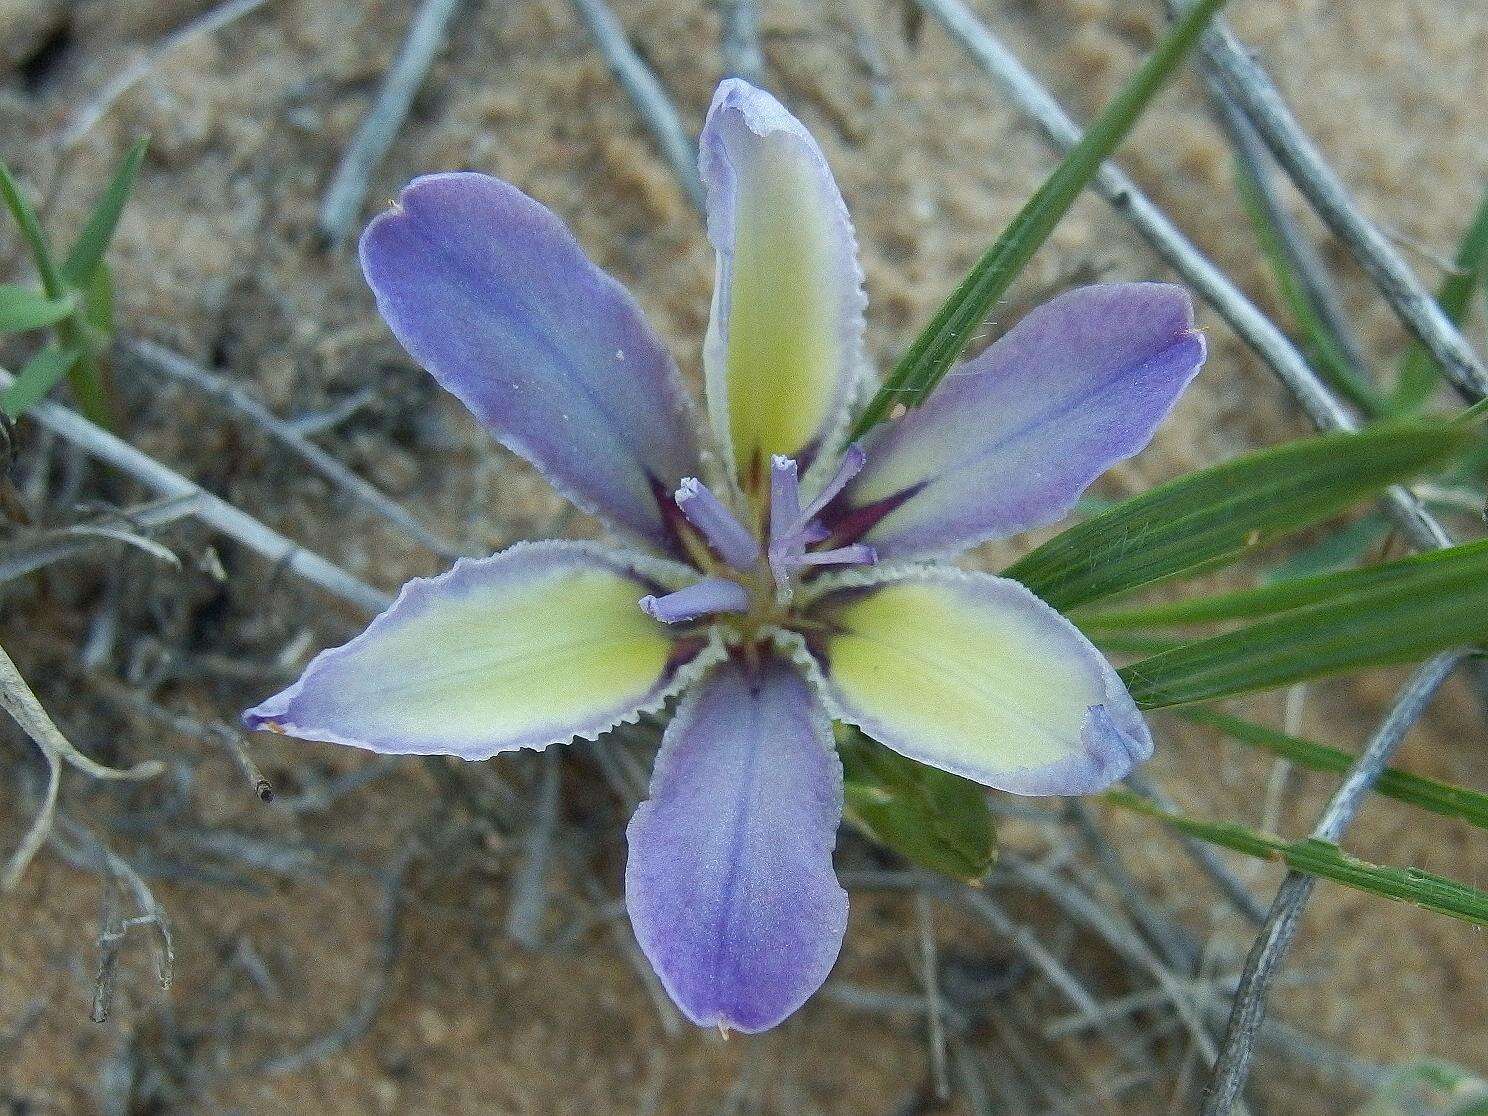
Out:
{"x": 786, "y": 581}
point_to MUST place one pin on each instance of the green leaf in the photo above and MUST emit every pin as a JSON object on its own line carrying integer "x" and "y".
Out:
{"x": 1400, "y": 612}
{"x": 1324, "y": 350}
{"x": 22, "y": 308}
{"x": 1419, "y": 373}
{"x": 1440, "y": 798}
{"x": 1336, "y": 550}
{"x": 25, "y": 219}
{"x": 1264, "y": 600}
{"x": 94, "y": 240}
{"x": 930, "y": 817}
{"x": 1220, "y": 514}
{"x": 36, "y": 379}
{"x": 1325, "y": 860}
{"x": 98, "y": 300}
{"x": 941, "y": 342}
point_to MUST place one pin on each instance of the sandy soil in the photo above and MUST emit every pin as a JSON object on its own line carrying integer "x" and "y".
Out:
{"x": 217, "y": 257}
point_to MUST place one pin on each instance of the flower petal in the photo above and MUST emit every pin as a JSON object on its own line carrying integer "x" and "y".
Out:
{"x": 730, "y": 883}
{"x": 785, "y": 345}
{"x": 975, "y": 675}
{"x": 491, "y": 293}
{"x": 1010, "y": 439}
{"x": 535, "y": 645}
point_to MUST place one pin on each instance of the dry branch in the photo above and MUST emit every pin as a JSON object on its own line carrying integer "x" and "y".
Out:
{"x": 342, "y": 203}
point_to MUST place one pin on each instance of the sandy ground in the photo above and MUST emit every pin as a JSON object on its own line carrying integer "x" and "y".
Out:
{"x": 217, "y": 257}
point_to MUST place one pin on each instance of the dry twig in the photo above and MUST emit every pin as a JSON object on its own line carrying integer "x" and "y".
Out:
{"x": 342, "y": 203}
{"x": 18, "y": 700}
{"x": 646, "y": 93}
{"x": 85, "y": 118}
{"x": 151, "y": 357}
{"x": 1271, "y": 945}
{"x": 1253, "y": 90}
{"x": 211, "y": 509}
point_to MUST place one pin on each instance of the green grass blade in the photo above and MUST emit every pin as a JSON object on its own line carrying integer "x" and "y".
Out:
{"x": 1326, "y": 861}
{"x": 1323, "y": 348}
{"x": 38, "y": 377}
{"x": 1438, "y": 603}
{"x": 1440, "y": 798}
{"x": 94, "y": 240}
{"x": 25, "y": 219}
{"x": 1419, "y": 373}
{"x": 937, "y": 347}
{"x": 1251, "y": 604}
{"x": 22, "y": 308}
{"x": 1220, "y": 514}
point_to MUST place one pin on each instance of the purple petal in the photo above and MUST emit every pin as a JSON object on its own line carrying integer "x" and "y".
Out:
{"x": 784, "y": 351}
{"x": 491, "y": 293}
{"x": 730, "y": 883}
{"x": 1011, "y": 438}
{"x": 974, "y": 674}
{"x": 536, "y": 645}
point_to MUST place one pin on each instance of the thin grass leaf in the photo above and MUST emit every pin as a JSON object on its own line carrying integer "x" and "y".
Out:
{"x": 25, "y": 219}
{"x": 1336, "y": 550}
{"x": 1264, "y": 600}
{"x": 1323, "y": 348}
{"x": 1419, "y": 373}
{"x": 98, "y": 300}
{"x": 938, "y": 346}
{"x": 37, "y": 378}
{"x": 1219, "y": 515}
{"x": 1325, "y": 860}
{"x": 1440, "y": 798}
{"x": 94, "y": 240}
{"x": 1437, "y": 603}
{"x": 22, "y": 308}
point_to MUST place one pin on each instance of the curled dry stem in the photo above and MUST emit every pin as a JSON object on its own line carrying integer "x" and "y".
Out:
{"x": 22, "y": 705}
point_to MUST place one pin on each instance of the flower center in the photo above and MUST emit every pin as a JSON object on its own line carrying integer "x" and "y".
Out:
{"x": 752, "y": 576}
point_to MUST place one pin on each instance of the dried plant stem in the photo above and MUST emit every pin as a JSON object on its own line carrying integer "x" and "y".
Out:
{"x": 342, "y": 203}
{"x": 646, "y": 93}
{"x": 213, "y": 510}
{"x": 162, "y": 361}
{"x": 88, "y": 115}
{"x": 17, "y": 699}
{"x": 1270, "y": 949}
{"x": 1253, "y": 90}
{"x": 1252, "y": 326}
{"x": 1301, "y": 254}
{"x": 740, "y": 40}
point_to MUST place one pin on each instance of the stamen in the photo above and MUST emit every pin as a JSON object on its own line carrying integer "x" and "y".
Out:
{"x": 785, "y": 497}
{"x": 729, "y": 538}
{"x": 709, "y": 596}
{"x": 858, "y": 554}
{"x": 853, "y": 460}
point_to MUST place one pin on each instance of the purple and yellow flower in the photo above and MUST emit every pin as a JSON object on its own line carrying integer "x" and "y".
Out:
{"x": 777, "y": 577}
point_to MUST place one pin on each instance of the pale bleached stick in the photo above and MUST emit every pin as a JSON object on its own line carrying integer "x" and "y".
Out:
{"x": 342, "y": 202}
{"x": 82, "y": 121}
{"x": 1268, "y": 953}
{"x": 1253, "y": 90}
{"x": 210, "y": 509}
{"x": 158, "y": 359}
{"x": 646, "y": 93}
